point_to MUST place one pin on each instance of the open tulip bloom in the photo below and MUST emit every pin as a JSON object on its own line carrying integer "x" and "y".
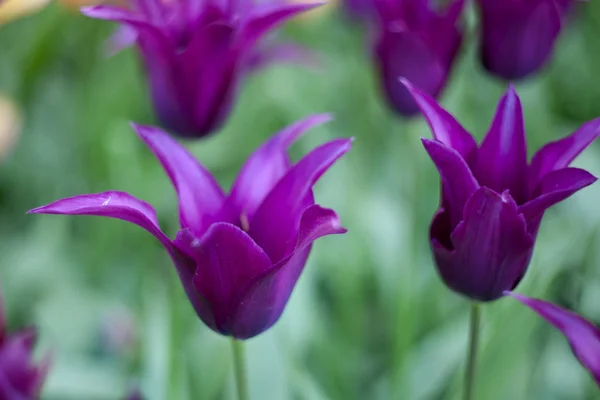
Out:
{"x": 419, "y": 42}
{"x": 492, "y": 203}
{"x": 239, "y": 255}
{"x": 196, "y": 52}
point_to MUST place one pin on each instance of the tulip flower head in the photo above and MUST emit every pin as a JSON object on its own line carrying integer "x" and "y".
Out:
{"x": 196, "y": 52}
{"x": 239, "y": 255}
{"x": 417, "y": 42}
{"x": 517, "y": 37}
{"x": 492, "y": 199}
{"x": 583, "y": 336}
{"x": 20, "y": 377}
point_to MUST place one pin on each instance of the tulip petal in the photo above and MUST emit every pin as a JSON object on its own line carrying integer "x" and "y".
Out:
{"x": 502, "y": 159}
{"x": 491, "y": 248}
{"x": 582, "y": 335}
{"x": 210, "y": 83}
{"x": 276, "y": 220}
{"x": 20, "y": 377}
{"x": 200, "y": 198}
{"x": 518, "y": 38}
{"x": 227, "y": 259}
{"x": 444, "y": 126}
{"x": 555, "y": 187}
{"x": 271, "y": 291}
{"x": 423, "y": 68}
{"x": 458, "y": 183}
{"x": 265, "y": 17}
{"x": 267, "y": 165}
{"x": 559, "y": 154}
{"x": 111, "y": 204}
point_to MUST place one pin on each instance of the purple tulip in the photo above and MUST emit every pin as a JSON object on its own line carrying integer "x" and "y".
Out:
{"x": 418, "y": 43}
{"x": 517, "y": 36}
{"x": 197, "y": 52}
{"x": 20, "y": 378}
{"x": 493, "y": 200}
{"x": 239, "y": 255}
{"x": 583, "y": 336}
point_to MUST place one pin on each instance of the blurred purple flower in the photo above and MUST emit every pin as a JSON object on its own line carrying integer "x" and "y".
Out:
{"x": 20, "y": 378}
{"x": 196, "y": 52}
{"x": 418, "y": 43}
{"x": 492, "y": 200}
{"x": 583, "y": 336}
{"x": 239, "y": 255}
{"x": 517, "y": 37}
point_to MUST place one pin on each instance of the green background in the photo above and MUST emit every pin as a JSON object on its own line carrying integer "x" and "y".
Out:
{"x": 369, "y": 319}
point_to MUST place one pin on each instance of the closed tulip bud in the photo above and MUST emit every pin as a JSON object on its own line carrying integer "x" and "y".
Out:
{"x": 517, "y": 37}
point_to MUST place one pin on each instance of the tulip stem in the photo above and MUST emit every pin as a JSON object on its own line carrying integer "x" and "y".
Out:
{"x": 472, "y": 352}
{"x": 239, "y": 365}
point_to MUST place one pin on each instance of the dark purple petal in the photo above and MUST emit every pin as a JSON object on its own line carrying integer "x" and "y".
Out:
{"x": 264, "y": 299}
{"x": 444, "y": 126}
{"x": 267, "y": 16}
{"x": 20, "y": 377}
{"x": 559, "y": 154}
{"x": 275, "y": 223}
{"x": 491, "y": 248}
{"x": 266, "y": 166}
{"x": 458, "y": 183}
{"x": 112, "y": 204}
{"x": 583, "y": 336}
{"x": 517, "y": 39}
{"x": 211, "y": 84}
{"x": 554, "y": 188}
{"x": 200, "y": 198}
{"x": 405, "y": 54}
{"x": 502, "y": 159}
{"x": 227, "y": 259}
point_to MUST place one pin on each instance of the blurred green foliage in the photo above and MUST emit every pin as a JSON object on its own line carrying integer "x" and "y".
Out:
{"x": 369, "y": 319}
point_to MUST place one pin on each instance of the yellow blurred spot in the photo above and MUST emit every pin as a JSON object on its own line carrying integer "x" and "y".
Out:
{"x": 10, "y": 126}
{"x": 15, "y": 9}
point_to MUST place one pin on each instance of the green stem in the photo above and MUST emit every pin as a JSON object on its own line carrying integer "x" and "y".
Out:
{"x": 472, "y": 355}
{"x": 239, "y": 362}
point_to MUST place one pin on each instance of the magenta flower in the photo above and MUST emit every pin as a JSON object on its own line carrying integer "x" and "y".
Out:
{"x": 517, "y": 37}
{"x": 197, "y": 52}
{"x": 20, "y": 377}
{"x": 418, "y": 43}
{"x": 583, "y": 336}
{"x": 492, "y": 199}
{"x": 239, "y": 255}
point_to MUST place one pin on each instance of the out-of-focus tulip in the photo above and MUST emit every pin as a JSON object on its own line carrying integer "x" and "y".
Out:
{"x": 517, "y": 37}
{"x": 197, "y": 52}
{"x": 20, "y": 377}
{"x": 417, "y": 42}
